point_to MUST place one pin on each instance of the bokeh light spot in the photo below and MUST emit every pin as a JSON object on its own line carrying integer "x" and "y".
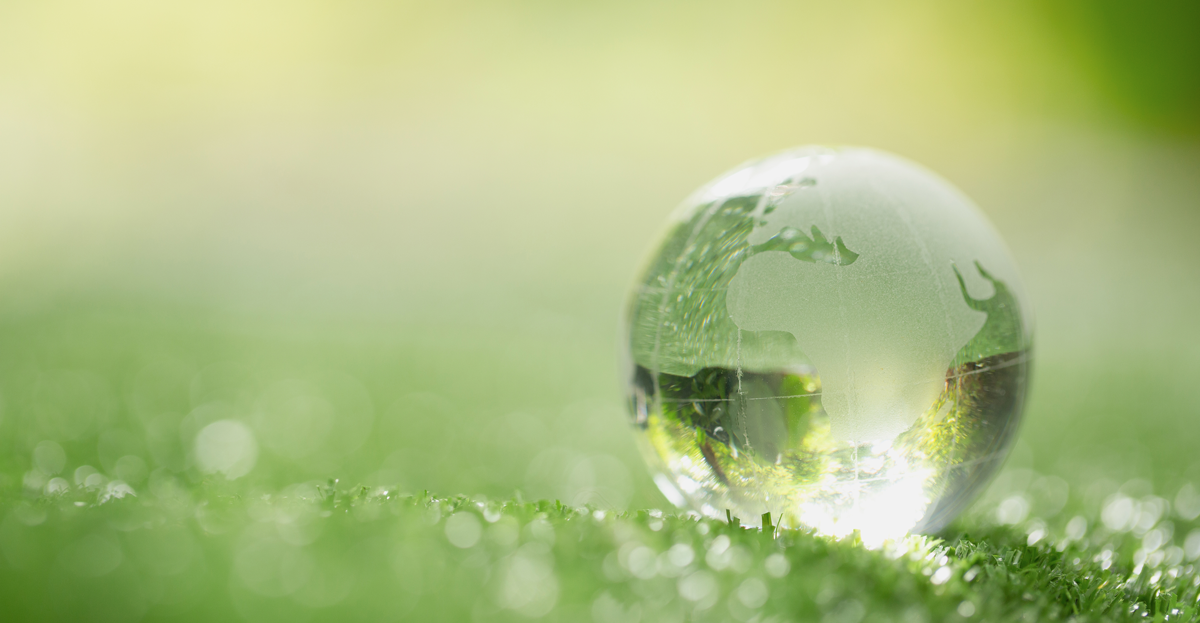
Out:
{"x": 227, "y": 447}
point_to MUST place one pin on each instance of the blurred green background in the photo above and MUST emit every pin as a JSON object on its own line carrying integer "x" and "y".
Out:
{"x": 392, "y": 240}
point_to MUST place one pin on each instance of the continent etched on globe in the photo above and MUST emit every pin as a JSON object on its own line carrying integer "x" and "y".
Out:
{"x": 834, "y": 336}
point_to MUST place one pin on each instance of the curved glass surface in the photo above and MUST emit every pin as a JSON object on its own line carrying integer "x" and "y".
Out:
{"x": 837, "y": 337}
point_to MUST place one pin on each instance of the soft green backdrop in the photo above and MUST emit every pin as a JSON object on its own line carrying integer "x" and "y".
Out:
{"x": 394, "y": 239}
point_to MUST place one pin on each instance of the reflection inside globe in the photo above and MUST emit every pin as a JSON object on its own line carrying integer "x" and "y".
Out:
{"x": 805, "y": 343}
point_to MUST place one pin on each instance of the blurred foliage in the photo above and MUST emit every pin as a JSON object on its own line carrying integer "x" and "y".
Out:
{"x": 326, "y": 552}
{"x": 1145, "y": 56}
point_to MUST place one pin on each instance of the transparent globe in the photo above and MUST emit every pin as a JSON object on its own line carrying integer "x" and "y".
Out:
{"x": 837, "y": 337}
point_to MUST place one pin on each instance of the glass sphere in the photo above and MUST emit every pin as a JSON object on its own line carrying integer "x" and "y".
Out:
{"x": 835, "y": 336}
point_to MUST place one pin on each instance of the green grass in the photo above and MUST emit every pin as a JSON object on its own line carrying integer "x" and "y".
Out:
{"x": 215, "y": 551}
{"x": 117, "y": 392}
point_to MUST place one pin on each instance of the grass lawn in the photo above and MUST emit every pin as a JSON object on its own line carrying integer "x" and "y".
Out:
{"x": 106, "y": 514}
{"x": 211, "y": 551}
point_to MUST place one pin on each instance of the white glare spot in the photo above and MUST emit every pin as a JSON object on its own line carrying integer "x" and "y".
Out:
{"x": 941, "y": 576}
{"x": 540, "y": 530}
{"x": 1076, "y": 528}
{"x": 1187, "y": 502}
{"x": 1191, "y": 546}
{"x": 1174, "y": 556}
{"x": 1012, "y": 510}
{"x": 700, "y": 586}
{"x": 777, "y": 565}
{"x": 463, "y": 530}
{"x": 116, "y": 490}
{"x": 1117, "y": 513}
{"x": 1150, "y": 509}
{"x": 527, "y": 581}
{"x": 227, "y": 447}
{"x": 718, "y": 553}
{"x": 669, "y": 491}
{"x": 82, "y": 472}
{"x": 880, "y": 516}
{"x": 681, "y": 555}
{"x": 752, "y": 593}
{"x": 1154, "y": 539}
{"x": 34, "y": 480}
{"x": 737, "y": 182}
{"x": 642, "y": 563}
{"x": 966, "y": 609}
{"x": 504, "y": 532}
{"x": 57, "y": 486}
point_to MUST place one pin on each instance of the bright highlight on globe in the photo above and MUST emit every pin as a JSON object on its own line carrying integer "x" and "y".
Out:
{"x": 835, "y": 336}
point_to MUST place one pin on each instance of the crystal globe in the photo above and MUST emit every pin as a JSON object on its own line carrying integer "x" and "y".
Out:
{"x": 835, "y": 336}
